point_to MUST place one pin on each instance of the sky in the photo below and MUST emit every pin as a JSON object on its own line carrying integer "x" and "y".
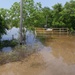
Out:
{"x": 8, "y": 3}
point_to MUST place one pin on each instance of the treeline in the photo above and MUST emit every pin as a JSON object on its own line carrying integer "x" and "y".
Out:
{"x": 37, "y": 16}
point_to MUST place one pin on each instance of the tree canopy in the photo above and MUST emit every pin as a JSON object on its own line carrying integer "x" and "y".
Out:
{"x": 36, "y": 15}
{"x": 3, "y": 26}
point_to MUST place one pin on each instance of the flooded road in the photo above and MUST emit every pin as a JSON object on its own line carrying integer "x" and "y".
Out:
{"x": 56, "y": 58}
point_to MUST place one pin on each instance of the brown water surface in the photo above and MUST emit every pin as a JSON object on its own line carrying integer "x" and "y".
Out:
{"x": 57, "y": 58}
{"x": 63, "y": 47}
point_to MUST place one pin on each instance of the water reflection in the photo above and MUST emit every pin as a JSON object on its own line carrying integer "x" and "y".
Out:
{"x": 10, "y": 33}
{"x": 30, "y": 39}
{"x": 7, "y": 49}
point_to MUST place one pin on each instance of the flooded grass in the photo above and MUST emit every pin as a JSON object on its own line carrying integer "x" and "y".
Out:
{"x": 18, "y": 54}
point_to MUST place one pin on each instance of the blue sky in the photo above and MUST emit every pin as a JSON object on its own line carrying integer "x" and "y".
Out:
{"x": 7, "y": 3}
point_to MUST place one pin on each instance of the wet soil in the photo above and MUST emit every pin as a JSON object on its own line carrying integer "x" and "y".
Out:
{"x": 57, "y": 58}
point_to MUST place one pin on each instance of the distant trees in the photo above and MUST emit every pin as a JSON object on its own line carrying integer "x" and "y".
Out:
{"x": 37, "y": 16}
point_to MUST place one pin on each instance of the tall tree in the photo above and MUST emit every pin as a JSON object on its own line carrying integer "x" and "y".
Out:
{"x": 47, "y": 13}
{"x": 14, "y": 15}
{"x": 69, "y": 14}
{"x": 5, "y": 15}
{"x": 57, "y": 20}
{"x": 3, "y": 26}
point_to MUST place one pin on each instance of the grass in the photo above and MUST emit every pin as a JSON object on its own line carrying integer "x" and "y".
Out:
{"x": 19, "y": 53}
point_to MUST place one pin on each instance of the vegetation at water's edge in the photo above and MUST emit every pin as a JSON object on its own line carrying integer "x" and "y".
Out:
{"x": 18, "y": 54}
{"x": 8, "y": 43}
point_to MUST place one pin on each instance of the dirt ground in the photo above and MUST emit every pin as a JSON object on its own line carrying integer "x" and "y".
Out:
{"x": 56, "y": 58}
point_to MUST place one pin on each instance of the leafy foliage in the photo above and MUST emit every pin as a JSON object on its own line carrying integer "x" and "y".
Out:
{"x": 35, "y": 15}
{"x": 3, "y": 26}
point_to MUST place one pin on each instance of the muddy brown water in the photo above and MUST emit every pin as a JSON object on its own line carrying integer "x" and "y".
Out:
{"x": 56, "y": 58}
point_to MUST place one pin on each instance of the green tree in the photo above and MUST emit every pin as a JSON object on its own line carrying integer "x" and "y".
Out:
{"x": 32, "y": 13}
{"x": 47, "y": 14}
{"x": 3, "y": 26}
{"x": 28, "y": 10}
{"x": 5, "y": 15}
{"x": 69, "y": 14}
{"x": 57, "y": 16}
{"x": 14, "y": 15}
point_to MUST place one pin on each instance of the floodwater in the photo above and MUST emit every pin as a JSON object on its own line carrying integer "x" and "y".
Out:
{"x": 13, "y": 33}
{"x": 7, "y": 49}
{"x": 61, "y": 59}
{"x": 63, "y": 47}
{"x": 57, "y": 57}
